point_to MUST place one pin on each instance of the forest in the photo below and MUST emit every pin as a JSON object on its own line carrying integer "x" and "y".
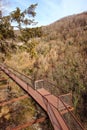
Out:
{"x": 57, "y": 52}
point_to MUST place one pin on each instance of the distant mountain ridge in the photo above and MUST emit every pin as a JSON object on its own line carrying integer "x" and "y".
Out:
{"x": 70, "y": 18}
{"x": 70, "y": 26}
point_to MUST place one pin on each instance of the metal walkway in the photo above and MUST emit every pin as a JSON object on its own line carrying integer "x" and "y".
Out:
{"x": 57, "y": 108}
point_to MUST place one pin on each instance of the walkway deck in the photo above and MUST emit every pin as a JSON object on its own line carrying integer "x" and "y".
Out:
{"x": 54, "y": 106}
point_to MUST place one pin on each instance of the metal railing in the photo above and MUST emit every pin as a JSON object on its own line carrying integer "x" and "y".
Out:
{"x": 68, "y": 117}
{"x": 65, "y": 101}
{"x": 23, "y": 77}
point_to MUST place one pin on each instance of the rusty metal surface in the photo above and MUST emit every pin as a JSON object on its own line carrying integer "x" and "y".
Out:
{"x": 13, "y": 100}
{"x": 51, "y": 104}
{"x": 3, "y": 79}
{"x": 53, "y": 100}
{"x": 25, "y": 125}
{"x": 55, "y": 119}
{"x": 70, "y": 119}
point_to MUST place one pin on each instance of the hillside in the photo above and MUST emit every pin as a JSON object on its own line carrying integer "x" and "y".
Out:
{"x": 59, "y": 54}
{"x": 67, "y": 39}
{"x": 68, "y": 29}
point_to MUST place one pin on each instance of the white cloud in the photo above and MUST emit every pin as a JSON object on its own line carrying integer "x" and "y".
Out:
{"x": 49, "y": 11}
{"x": 71, "y": 6}
{"x": 55, "y": 9}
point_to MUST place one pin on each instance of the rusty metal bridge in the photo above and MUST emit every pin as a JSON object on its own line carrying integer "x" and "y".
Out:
{"x": 58, "y": 108}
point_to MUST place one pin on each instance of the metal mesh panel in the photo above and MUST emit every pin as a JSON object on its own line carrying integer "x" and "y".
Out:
{"x": 23, "y": 77}
{"x": 62, "y": 101}
{"x": 48, "y": 86}
{"x": 71, "y": 122}
{"x": 39, "y": 84}
{"x": 67, "y": 98}
{"x": 69, "y": 118}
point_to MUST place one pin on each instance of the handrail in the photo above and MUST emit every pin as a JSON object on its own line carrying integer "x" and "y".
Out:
{"x": 46, "y": 80}
{"x": 20, "y": 76}
{"x": 50, "y": 82}
{"x": 51, "y": 105}
{"x": 18, "y": 72}
{"x": 51, "y": 85}
{"x": 69, "y": 112}
{"x": 42, "y": 96}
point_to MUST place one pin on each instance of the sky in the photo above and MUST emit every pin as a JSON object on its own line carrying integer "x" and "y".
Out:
{"x": 48, "y": 11}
